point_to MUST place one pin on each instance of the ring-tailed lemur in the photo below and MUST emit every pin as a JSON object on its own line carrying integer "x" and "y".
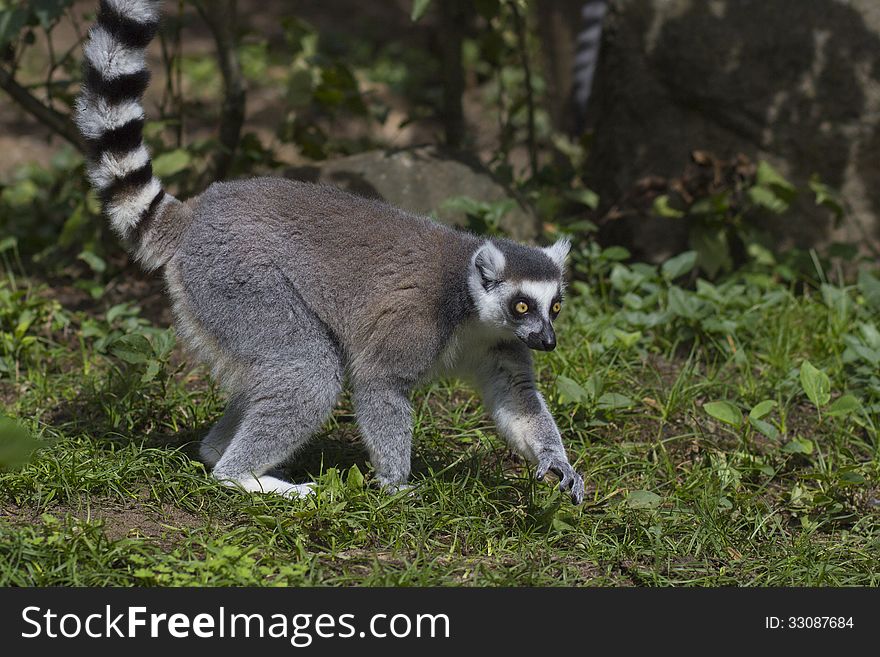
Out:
{"x": 284, "y": 287}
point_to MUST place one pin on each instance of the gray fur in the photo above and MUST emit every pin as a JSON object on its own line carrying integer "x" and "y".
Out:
{"x": 526, "y": 263}
{"x": 287, "y": 289}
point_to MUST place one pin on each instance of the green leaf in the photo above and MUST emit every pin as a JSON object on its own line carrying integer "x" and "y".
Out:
{"x": 266, "y": 520}
{"x": 623, "y": 278}
{"x": 560, "y": 525}
{"x": 851, "y": 477}
{"x": 48, "y": 12}
{"x": 613, "y": 401}
{"x": 826, "y": 197}
{"x": 870, "y": 355}
{"x": 25, "y": 320}
{"x": 799, "y": 446}
{"x": 869, "y": 286}
{"x": 815, "y": 383}
{"x": 663, "y": 209}
{"x": 724, "y": 412}
{"x": 8, "y": 243}
{"x": 22, "y": 193}
{"x": 570, "y": 391}
{"x": 12, "y": 20}
{"x": 95, "y": 262}
{"x": 713, "y": 249}
{"x": 844, "y": 405}
{"x": 167, "y": 164}
{"x": 715, "y": 205}
{"x": 465, "y": 204}
{"x": 586, "y": 197}
{"x": 683, "y": 303}
{"x": 75, "y": 226}
{"x": 761, "y": 255}
{"x": 117, "y": 311}
{"x": 582, "y": 226}
{"x": 870, "y": 334}
{"x": 627, "y": 339}
{"x": 355, "y": 479}
{"x": 765, "y": 428}
{"x": 153, "y": 369}
{"x": 419, "y": 7}
{"x": 133, "y": 349}
{"x": 766, "y": 198}
{"x": 761, "y": 409}
{"x": 643, "y": 499}
{"x": 615, "y": 253}
{"x": 767, "y": 176}
{"x": 837, "y": 299}
{"x": 772, "y": 191}
{"x": 163, "y": 343}
{"x": 679, "y": 265}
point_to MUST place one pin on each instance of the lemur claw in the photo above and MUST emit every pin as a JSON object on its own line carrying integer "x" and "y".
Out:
{"x": 569, "y": 480}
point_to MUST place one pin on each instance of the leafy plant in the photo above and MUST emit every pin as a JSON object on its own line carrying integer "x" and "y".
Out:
{"x": 483, "y": 218}
{"x": 725, "y": 412}
{"x": 727, "y": 210}
{"x": 27, "y": 322}
{"x": 816, "y": 384}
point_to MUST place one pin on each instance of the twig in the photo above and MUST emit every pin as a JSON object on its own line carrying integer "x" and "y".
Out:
{"x": 452, "y": 20}
{"x": 221, "y": 17}
{"x": 530, "y": 93}
{"x": 52, "y": 65}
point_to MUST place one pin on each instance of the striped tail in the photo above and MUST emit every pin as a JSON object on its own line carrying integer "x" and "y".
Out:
{"x": 589, "y": 40}
{"x": 110, "y": 117}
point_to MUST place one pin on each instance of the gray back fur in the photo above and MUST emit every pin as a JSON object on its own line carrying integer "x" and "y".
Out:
{"x": 389, "y": 286}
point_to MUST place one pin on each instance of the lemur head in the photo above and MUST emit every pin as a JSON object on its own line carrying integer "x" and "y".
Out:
{"x": 518, "y": 289}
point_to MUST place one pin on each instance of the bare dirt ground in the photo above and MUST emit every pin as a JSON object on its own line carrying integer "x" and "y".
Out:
{"x": 120, "y": 519}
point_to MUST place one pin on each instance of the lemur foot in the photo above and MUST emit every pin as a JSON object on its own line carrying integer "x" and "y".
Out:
{"x": 568, "y": 479}
{"x": 267, "y": 484}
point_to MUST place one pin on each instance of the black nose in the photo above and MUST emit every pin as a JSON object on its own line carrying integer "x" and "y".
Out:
{"x": 544, "y": 340}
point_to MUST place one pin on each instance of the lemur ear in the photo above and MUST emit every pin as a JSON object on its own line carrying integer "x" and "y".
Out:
{"x": 558, "y": 252}
{"x": 489, "y": 263}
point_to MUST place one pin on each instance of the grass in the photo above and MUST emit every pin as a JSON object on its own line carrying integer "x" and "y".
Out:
{"x": 681, "y": 489}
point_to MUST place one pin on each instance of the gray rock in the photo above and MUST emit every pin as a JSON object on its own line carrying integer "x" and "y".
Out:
{"x": 421, "y": 180}
{"x": 792, "y": 81}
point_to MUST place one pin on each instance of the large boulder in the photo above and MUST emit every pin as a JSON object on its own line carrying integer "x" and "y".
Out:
{"x": 795, "y": 82}
{"x": 422, "y": 180}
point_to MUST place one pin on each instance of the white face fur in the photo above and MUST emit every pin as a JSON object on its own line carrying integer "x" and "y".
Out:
{"x": 519, "y": 307}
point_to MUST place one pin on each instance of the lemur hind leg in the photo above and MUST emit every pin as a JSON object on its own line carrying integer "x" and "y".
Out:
{"x": 287, "y": 403}
{"x": 384, "y": 416}
{"x": 215, "y": 443}
{"x": 218, "y": 438}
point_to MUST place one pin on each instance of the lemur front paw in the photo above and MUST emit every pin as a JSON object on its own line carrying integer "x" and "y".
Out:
{"x": 568, "y": 479}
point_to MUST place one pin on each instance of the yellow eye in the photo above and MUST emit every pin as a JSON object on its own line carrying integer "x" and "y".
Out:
{"x": 522, "y": 307}
{"x": 557, "y": 307}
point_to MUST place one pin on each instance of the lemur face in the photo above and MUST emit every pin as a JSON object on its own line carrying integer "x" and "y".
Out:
{"x": 531, "y": 309}
{"x": 521, "y": 297}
